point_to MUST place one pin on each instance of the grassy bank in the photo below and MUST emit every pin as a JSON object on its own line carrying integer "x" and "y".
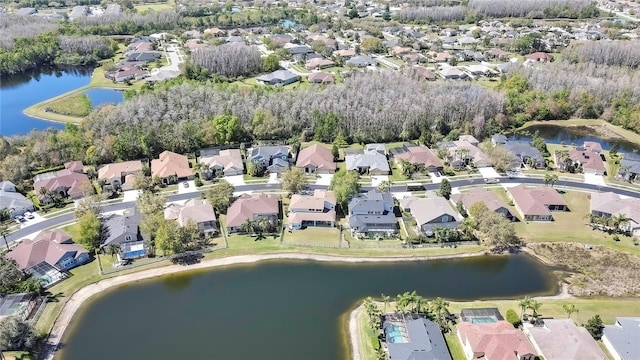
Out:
{"x": 77, "y": 105}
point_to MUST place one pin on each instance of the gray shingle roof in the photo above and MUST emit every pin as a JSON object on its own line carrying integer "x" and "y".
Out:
{"x": 372, "y": 160}
{"x": 624, "y": 337}
{"x": 425, "y": 342}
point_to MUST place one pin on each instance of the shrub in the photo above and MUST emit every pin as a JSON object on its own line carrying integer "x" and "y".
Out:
{"x": 513, "y": 318}
{"x": 198, "y": 182}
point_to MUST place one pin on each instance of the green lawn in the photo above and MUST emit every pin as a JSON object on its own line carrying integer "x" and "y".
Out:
{"x": 161, "y": 6}
{"x": 367, "y": 339}
{"x": 313, "y": 236}
{"x": 571, "y": 226}
{"x": 453, "y": 343}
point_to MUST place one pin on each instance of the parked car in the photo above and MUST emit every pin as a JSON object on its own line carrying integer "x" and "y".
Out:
{"x": 185, "y": 184}
{"x": 28, "y": 215}
{"x": 491, "y": 181}
{"x": 19, "y": 219}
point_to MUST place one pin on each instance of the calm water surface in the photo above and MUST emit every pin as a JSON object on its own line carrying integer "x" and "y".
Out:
{"x": 275, "y": 310}
{"x": 575, "y": 135}
{"x": 18, "y": 92}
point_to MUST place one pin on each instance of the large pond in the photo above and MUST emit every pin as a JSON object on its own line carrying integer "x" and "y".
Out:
{"x": 276, "y": 310}
{"x": 18, "y": 92}
{"x": 574, "y": 135}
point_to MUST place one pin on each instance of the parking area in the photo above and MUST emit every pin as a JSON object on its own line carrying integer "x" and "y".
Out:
{"x": 594, "y": 179}
{"x": 235, "y": 180}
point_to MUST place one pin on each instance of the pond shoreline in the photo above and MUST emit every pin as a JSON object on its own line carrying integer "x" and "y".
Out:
{"x": 82, "y": 295}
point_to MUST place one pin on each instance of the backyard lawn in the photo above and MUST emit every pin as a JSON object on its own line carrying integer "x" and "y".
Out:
{"x": 571, "y": 226}
{"x": 313, "y": 236}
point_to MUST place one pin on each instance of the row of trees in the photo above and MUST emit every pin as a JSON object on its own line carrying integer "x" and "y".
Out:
{"x": 610, "y": 53}
{"x": 409, "y": 303}
{"x": 230, "y": 60}
{"x": 16, "y": 26}
{"x": 535, "y": 8}
{"x": 432, "y": 14}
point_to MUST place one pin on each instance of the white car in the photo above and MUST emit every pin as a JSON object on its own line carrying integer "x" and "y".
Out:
{"x": 28, "y": 215}
{"x": 491, "y": 181}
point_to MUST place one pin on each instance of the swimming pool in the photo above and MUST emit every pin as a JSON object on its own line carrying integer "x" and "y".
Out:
{"x": 483, "y": 320}
{"x": 394, "y": 335}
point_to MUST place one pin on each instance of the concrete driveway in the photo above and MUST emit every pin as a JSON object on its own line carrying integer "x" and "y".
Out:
{"x": 594, "y": 179}
{"x": 488, "y": 172}
{"x": 435, "y": 179}
{"x": 273, "y": 179}
{"x": 185, "y": 187}
{"x": 130, "y": 195}
{"x": 235, "y": 180}
{"x": 324, "y": 179}
{"x": 376, "y": 180}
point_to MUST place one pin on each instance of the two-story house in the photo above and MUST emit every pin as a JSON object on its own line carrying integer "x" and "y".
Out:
{"x": 274, "y": 158}
{"x": 371, "y": 215}
{"x": 318, "y": 209}
{"x": 119, "y": 175}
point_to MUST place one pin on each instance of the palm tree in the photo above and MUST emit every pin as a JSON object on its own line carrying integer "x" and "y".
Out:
{"x": 384, "y": 186}
{"x": 535, "y": 306}
{"x": 420, "y": 305}
{"x": 440, "y": 308}
{"x": 264, "y": 225}
{"x": 248, "y": 226}
{"x": 113, "y": 249}
{"x": 385, "y": 299}
{"x": 550, "y": 178}
{"x": 618, "y": 221}
{"x": 570, "y": 309}
{"x": 4, "y": 231}
{"x": 524, "y": 304}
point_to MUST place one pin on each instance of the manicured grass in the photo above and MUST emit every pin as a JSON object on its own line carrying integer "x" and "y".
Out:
{"x": 453, "y": 343}
{"x": 78, "y": 105}
{"x": 300, "y": 68}
{"x": 16, "y": 355}
{"x": 313, "y": 236}
{"x": 366, "y": 337}
{"x": 571, "y": 226}
{"x": 73, "y": 230}
{"x": 607, "y": 308}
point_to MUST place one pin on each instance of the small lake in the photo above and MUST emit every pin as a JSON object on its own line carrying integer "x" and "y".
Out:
{"x": 574, "y": 135}
{"x": 18, "y": 92}
{"x": 276, "y": 310}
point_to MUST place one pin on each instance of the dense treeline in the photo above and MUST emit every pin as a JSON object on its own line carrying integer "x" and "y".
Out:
{"x": 424, "y": 3}
{"x": 433, "y": 13}
{"x": 612, "y": 53}
{"x": 84, "y": 50}
{"x": 229, "y": 60}
{"x": 535, "y": 8}
{"x": 125, "y": 23}
{"x": 16, "y": 26}
{"x": 366, "y": 108}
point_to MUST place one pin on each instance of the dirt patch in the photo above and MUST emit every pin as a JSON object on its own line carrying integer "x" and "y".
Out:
{"x": 598, "y": 270}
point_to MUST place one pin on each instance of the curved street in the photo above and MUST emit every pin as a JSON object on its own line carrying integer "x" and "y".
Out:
{"x": 69, "y": 217}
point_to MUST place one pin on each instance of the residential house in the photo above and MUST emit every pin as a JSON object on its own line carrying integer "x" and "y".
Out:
{"x": 431, "y": 213}
{"x": 360, "y": 61}
{"x": 316, "y": 159}
{"x": 593, "y": 146}
{"x": 498, "y": 139}
{"x": 318, "y": 209}
{"x": 145, "y": 56}
{"x": 478, "y": 70}
{"x": 319, "y": 63}
{"x": 320, "y": 78}
{"x": 494, "y": 341}
{"x": 469, "y": 139}
{"x": 451, "y": 73}
{"x": 16, "y": 203}
{"x": 380, "y": 148}
{"x": 281, "y": 39}
{"x": 442, "y": 57}
{"x": 497, "y": 54}
{"x": 621, "y": 339}
{"x": 171, "y": 168}
{"x": 195, "y": 211}
{"x": 252, "y": 208}
{"x": 525, "y": 154}
{"x": 346, "y": 54}
{"x": 48, "y": 255}
{"x": 423, "y": 73}
{"x": 424, "y": 340}
{"x": 490, "y": 199}
{"x": 608, "y": 204}
{"x": 370, "y": 162}
{"x": 69, "y": 182}
{"x": 371, "y": 215}
{"x": 123, "y": 231}
{"x": 540, "y": 57}
{"x": 274, "y": 158}
{"x": 420, "y": 155}
{"x": 587, "y": 160}
{"x": 119, "y": 175}
{"x": 279, "y": 78}
{"x": 328, "y": 42}
{"x": 215, "y": 32}
{"x": 629, "y": 167}
{"x": 462, "y": 153}
{"x": 17, "y": 305}
{"x": 223, "y": 162}
{"x": 295, "y": 49}
{"x": 536, "y": 204}
{"x": 562, "y": 339}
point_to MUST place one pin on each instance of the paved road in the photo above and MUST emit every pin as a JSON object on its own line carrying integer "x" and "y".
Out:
{"x": 620, "y": 14}
{"x": 49, "y": 223}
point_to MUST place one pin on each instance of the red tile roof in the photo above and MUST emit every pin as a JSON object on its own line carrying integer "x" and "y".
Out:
{"x": 247, "y": 206}
{"x": 316, "y": 155}
{"x": 48, "y": 246}
{"x": 497, "y": 341}
{"x": 420, "y": 155}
